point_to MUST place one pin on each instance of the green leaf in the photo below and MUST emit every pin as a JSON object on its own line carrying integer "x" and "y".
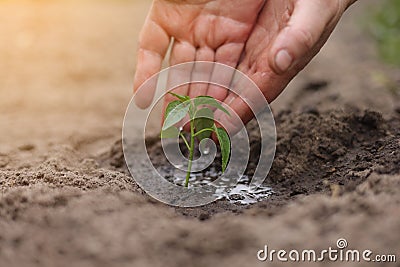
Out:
{"x": 208, "y": 100}
{"x": 171, "y": 132}
{"x": 175, "y": 115}
{"x": 171, "y": 106}
{"x": 225, "y": 145}
{"x": 182, "y": 98}
{"x": 204, "y": 119}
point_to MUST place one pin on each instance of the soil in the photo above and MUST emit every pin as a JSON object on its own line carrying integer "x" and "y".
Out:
{"x": 327, "y": 153}
{"x": 66, "y": 198}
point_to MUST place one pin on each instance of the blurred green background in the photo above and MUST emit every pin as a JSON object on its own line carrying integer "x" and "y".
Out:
{"x": 383, "y": 23}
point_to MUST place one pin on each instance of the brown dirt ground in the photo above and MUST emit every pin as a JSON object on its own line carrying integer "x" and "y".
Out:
{"x": 65, "y": 199}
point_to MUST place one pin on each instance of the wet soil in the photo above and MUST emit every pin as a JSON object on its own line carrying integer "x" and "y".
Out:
{"x": 328, "y": 153}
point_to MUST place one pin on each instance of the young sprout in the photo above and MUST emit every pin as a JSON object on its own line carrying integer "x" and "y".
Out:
{"x": 202, "y": 125}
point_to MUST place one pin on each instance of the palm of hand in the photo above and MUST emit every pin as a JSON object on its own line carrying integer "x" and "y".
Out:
{"x": 202, "y": 30}
{"x": 211, "y": 24}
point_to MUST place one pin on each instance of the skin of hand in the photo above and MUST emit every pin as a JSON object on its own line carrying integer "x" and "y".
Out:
{"x": 203, "y": 30}
{"x": 288, "y": 34}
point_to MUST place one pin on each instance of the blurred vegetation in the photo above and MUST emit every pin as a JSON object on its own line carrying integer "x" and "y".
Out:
{"x": 384, "y": 25}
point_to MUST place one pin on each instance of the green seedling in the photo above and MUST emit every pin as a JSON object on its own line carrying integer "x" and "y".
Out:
{"x": 202, "y": 125}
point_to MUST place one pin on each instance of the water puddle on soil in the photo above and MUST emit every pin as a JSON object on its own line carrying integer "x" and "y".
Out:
{"x": 241, "y": 194}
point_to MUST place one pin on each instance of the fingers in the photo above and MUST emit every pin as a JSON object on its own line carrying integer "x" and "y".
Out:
{"x": 244, "y": 95}
{"x": 201, "y": 71}
{"x": 153, "y": 45}
{"x": 301, "y": 34}
{"x": 228, "y": 54}
{"x": 221, "y": 77}
{"x": 250, "y": 94}
{"x": 182, "y": 52}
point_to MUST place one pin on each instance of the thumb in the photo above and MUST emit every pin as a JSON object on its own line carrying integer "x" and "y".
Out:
{"x": 300, "y": 36}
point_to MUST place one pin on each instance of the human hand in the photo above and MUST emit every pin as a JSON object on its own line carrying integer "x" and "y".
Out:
{"x": 288, "y": 34}
{"x": 203, "y": 30}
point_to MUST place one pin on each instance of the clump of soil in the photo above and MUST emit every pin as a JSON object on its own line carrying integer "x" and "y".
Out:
{"x": 331, "y": 152}
{"x": 317, "y": 153}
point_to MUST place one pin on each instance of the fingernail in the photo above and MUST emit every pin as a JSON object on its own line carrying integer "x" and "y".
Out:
{"x": 283, "y": 60}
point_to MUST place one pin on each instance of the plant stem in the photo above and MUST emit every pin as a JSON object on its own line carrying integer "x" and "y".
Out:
{"x": 191, "y": 150}
{"x": 184, "y": 140}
